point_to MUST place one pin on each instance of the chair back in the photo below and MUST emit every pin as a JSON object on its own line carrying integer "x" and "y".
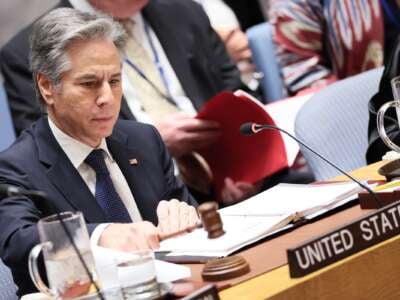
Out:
{"x": 334, "y": 122}
{"x": 7, "y": 132}
{"x": 263, "y": 48}
{"x": 7, "y": 286}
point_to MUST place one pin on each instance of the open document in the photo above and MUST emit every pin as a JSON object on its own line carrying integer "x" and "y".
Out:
{"x": 262, "y": 215}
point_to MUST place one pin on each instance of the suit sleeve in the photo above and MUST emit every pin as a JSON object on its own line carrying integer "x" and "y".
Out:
{"x": 229, "y": 72}
{"x": 222, "y": 64}
{"x": 376, "y": 148}
{"x": 18, "y": 83}
{"x": 19, "y": 231}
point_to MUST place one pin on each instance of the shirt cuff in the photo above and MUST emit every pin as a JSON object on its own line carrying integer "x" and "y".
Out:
{"x": 96, "y": 234}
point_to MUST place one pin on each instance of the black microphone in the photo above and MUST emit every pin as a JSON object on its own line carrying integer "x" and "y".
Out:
{"x": 8, "y": 190}
{"x": 250, "y": 128}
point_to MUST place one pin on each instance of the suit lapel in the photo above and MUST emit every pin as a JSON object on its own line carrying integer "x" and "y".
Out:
{"x": 64, "y": 176}
{"x": 134, "y": 173}
{"x": 178, "y": 56}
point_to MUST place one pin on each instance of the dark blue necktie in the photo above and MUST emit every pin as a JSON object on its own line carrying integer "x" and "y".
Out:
{"x": 106, "y": 195}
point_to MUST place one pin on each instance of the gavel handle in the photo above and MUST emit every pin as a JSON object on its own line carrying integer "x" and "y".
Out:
{"x": 163, "y": 237}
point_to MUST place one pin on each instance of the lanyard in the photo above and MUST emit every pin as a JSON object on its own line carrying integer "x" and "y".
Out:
{"x": 158, "y": 65}
{"x": 156, "y": 57}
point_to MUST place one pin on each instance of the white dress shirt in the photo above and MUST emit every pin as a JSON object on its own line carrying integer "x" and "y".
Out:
{"x": 173, "y": 85}
{"x": 77, "y": 152}
{"x": 219, "y": 13}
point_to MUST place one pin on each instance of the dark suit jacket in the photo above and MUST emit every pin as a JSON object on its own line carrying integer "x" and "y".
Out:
{"x": 36, "y": 161}
{"x": 376, "y": 147}
{"x": 249, "y": 13}
{"x": 194, "y": 50}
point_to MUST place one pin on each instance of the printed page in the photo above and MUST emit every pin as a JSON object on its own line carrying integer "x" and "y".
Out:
{"x": 292, "y": 198}
{"x": 239, "y": 232}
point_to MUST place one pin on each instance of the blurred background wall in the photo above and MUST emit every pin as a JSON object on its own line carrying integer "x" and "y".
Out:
{"x": 16, "y": 14}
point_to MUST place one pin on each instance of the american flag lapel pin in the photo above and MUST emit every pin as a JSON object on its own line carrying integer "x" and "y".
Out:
{"x": 133, "y": 162}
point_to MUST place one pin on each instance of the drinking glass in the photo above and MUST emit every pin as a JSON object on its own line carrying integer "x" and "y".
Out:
{"x": 66, "y": 274}
{"x": 137, "y": 275}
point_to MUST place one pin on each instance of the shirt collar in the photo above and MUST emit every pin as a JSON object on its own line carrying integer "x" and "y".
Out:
{"x": 75, "y": 150}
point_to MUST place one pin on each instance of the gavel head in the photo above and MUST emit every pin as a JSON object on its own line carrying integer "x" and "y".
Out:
{"x": 211, "y": 219}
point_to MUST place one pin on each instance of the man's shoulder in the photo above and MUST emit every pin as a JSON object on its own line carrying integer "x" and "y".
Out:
{"x": 131, "y": 126}
{"x": 18, "y": 45}
{"x": 185, "y": 7}
{"x": 177, "y": 3}
{"x": 22, "y": 151}
{"x": 133, "y": 133}
{"x": 134, "y": 129}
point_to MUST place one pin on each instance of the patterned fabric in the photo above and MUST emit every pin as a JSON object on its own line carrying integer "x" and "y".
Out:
{"x": 320, "y": 41}
{"x": 106, "y": 195}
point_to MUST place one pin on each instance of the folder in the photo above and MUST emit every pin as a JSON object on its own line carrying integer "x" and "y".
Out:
{"x": 249, "y": 158}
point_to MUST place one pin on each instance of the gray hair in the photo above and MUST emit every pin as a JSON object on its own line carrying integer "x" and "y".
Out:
{"x": 55, "y": 31}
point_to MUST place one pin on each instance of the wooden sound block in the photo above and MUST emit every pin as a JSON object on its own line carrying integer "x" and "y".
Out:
{"x": 390, "y": 170}
{"x": 225, "y": 268}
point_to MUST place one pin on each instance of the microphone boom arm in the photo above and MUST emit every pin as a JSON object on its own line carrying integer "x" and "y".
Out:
{"x": 253, "y": 128}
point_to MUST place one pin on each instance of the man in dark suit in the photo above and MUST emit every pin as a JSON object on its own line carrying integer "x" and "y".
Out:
{"x": 115, "y": 172}
{"x": 249, "y": 13}
{"x": 190, "y": 65}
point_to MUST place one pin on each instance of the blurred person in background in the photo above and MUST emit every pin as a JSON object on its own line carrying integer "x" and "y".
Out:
{"x": 319, "y": 42}
{"x": 226, "y": 22}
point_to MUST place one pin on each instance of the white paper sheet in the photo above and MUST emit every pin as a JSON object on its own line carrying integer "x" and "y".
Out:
{"x": 239, "y": 232}
{"x": 292, "y": 198}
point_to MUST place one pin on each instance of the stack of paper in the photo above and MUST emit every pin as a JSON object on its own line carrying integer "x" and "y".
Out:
{"x": 300, "y": 199}
{"x": 262, "y": 215}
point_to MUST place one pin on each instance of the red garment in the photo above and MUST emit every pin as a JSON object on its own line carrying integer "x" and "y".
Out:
{"x": 326, "y": 40}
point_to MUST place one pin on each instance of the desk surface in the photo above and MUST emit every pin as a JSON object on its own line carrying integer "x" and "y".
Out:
{"x": 268, "y": 261}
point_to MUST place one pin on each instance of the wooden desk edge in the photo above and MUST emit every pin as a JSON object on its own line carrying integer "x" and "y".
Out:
{"x": 277, "y": 284}
{"x": 277, "y": 281}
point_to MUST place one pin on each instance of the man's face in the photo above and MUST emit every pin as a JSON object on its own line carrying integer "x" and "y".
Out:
{"x": 119, "y": 9}
{"x": 86, "y": 103}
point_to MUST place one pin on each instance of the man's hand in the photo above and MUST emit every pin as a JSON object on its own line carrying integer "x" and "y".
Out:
{"x": 130, "y": 237}
{"x": 236, "y": 43}
{"x": 174, "y": 216}
{"x": 237, "y": 191}
{"x": 182, "y": 133}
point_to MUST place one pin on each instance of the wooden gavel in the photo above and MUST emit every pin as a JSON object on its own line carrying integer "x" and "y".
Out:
{"x": 219, "y": 268}
{"x": 210, "y": 219}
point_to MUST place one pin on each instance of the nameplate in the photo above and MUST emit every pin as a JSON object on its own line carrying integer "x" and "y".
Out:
{"x": 345, "y": 241}
{"x": 209, "y": 292}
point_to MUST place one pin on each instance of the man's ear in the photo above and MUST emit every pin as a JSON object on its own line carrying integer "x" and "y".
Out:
{"x": 46, "y": 88}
